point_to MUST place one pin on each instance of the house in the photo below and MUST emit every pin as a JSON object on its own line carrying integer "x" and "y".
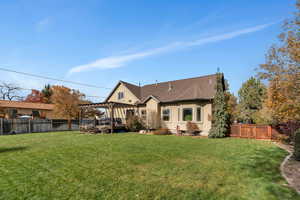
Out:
{"x": 14, "y": 109}
{"x": 168, "y": 104}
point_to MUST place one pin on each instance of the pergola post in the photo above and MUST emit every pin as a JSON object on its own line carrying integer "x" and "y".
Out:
{"x": 111, "y": 118}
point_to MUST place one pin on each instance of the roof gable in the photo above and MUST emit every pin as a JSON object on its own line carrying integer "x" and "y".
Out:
{"x": 135, "y": 90}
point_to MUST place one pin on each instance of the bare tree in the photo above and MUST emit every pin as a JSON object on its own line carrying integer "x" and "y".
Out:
{"x": 153, "y": 120}
{"x": 9, "y": 91}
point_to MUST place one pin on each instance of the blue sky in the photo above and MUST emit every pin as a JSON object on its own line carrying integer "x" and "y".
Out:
{"x": 103, "y": 41}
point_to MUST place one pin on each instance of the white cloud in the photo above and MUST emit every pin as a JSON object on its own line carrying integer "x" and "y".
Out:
{"x": 119, "y": 61}
{"x": 43, "y": 23}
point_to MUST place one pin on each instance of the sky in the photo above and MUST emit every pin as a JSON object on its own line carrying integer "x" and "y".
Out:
{"x": 100, "y": 42}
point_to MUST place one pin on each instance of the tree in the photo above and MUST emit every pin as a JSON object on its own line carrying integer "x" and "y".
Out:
{"x": 47, "y": 93}
{"x": 90, "y": 112}
{"x": 297, "y": 145}
{"x": 9, "y": 91}
{"x": 34, "y": 97}
{"x": 220, "y": 121}
{"x": 231, "y": 102}
{"x": 66, "y": 102}
{"x": 251, "y": 98}
{"x": 282, "y": 71}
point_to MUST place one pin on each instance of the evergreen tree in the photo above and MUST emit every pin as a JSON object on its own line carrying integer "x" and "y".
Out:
{"x": 251, "y": 98}
{"x": 47, "y": 93}
{"x": 220, "y": 122}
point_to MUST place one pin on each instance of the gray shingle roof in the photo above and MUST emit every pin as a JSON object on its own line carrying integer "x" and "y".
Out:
{"x": 179, "y": 90}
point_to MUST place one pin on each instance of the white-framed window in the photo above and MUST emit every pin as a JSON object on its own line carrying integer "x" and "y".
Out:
{"x": 199, "y": 114}
{"x": 187, "y": 114}
{"x": 166, "y": 115}
{"x": 143, "y": 114}
{"x": 120, "y": 95}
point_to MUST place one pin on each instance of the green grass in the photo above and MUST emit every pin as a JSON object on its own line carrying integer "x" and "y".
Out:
{"x": 69, "y": 165}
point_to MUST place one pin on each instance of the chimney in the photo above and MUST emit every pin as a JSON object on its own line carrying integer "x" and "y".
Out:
{"x": 170, "y": 87}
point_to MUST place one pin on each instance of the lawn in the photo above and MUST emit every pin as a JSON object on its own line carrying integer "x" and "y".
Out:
{"x": 69, "y": 165}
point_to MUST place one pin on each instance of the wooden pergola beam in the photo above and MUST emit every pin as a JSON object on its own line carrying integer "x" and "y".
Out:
{"x": 110, "y": 106}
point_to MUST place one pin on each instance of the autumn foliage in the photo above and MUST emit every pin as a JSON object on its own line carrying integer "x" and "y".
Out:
{"x": 35, "y": 97}
{"x": 66, "y": 102}
{"x": 282, "y": 71}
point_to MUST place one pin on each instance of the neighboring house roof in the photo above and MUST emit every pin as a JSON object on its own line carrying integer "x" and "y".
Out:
{"x": 25, "y": 105}
{"x": 203, "y": 87}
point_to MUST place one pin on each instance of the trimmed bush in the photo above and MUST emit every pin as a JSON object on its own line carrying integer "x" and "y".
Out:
{"x": 134, "y": 123}
{"x": 162, "y": 131}
{"x": 297, "y": 145}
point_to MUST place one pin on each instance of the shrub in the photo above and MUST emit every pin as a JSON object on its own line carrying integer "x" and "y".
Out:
{"x": 134, "y": 123}
{"x": 297, "y": 145}
{"x": 282, "y": 138}
{"x": 162, "y": 131}
{"x": 192, "y": 128}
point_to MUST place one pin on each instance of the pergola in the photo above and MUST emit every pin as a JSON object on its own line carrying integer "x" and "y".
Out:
{"x": 110, "y": 107}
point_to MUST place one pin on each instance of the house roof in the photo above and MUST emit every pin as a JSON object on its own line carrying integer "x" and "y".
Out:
{"x": 202, "y": 87}
{"x": 25, "y": 105}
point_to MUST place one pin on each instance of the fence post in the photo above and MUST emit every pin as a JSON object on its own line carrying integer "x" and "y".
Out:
{"x": 51, "y": 125}
{"x": 29, "y": 126}
{"x": 270, "y": 132}
{"x": 1, "y": 126}
{"x": 255, "y": 133}
{"x": 240, "y": 130}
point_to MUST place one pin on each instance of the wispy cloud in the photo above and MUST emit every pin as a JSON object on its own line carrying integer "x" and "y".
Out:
{"x": 119, "y": 61}
{"x": 43, "y": 23}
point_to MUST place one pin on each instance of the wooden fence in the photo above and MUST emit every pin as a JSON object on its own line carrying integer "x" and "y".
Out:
{"x": 17, "y": 126}
{"x": 251, "y": 131}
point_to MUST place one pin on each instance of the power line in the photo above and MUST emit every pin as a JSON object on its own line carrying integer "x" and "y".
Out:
{"x": 20, "y": 88}
{"x": 53, "y": 79}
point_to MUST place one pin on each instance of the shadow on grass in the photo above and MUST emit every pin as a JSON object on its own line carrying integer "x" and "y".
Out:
{"x": 264, "y": 164}
{"x": 12, "y": 149}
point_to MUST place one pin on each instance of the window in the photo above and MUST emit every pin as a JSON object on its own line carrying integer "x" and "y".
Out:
{"x": 12, "y": 113}
{"x": 187, "y": 114}
{"x": 166, "y": 115}
{"x": 199, "y": 114}
{"x": 120, "y": 95}
{"x": 144, "y": 114}
{"x": 35, "y": 113}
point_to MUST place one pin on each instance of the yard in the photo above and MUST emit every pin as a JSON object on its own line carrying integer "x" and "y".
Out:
{"x": 69, "y": 165}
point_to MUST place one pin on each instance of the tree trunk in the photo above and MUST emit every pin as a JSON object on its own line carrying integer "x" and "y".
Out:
{"x": 69, "y": 124}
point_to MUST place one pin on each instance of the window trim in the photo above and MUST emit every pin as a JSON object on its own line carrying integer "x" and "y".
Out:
{"x": 144, "y": 116}
{"x": 187, "y": 108}
{"x": 201, "y": 114}
{"x": 120, "y": 95}
{"x": 169, "y": 114}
